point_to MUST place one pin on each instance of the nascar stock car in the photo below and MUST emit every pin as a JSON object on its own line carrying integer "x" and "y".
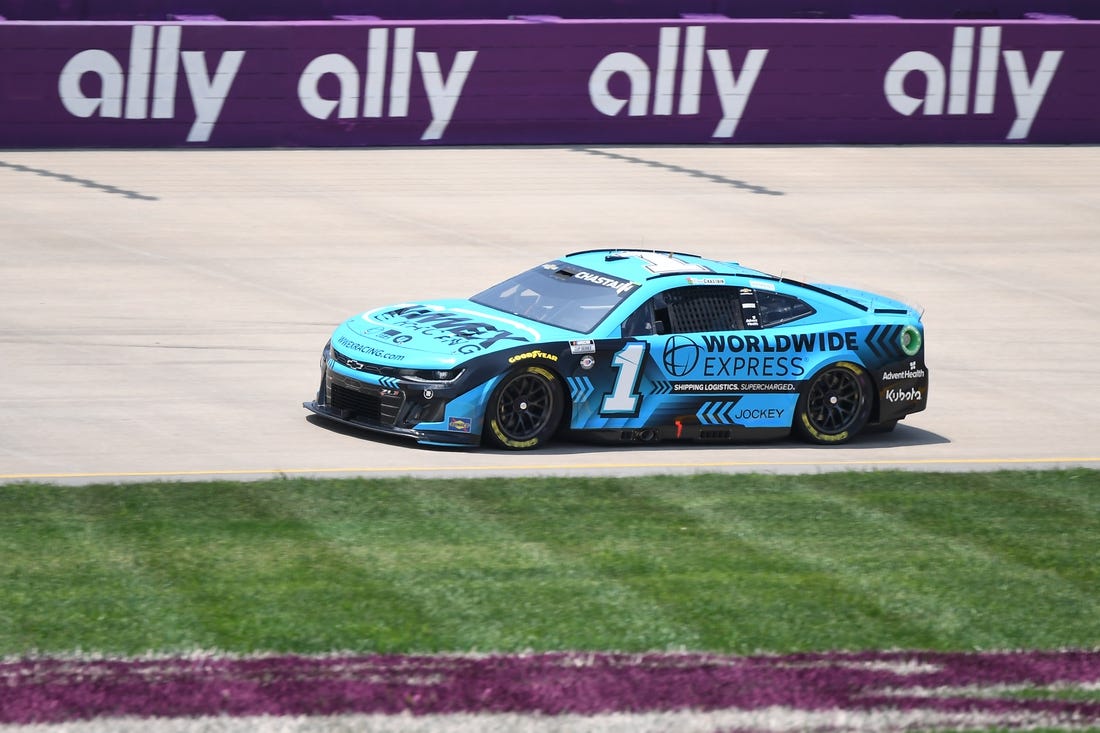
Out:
{"x": 629, "y": 346}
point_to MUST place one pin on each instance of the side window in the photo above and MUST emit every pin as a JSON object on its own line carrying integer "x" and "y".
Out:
{"x": 702, "y": 308}
{"x": 644, "y": 322}
{"x": 775, "y": 309}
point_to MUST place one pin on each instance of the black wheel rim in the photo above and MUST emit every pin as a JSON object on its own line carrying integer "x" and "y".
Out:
{"x": 524, "y": 408}
{"x": 834, "y": 402}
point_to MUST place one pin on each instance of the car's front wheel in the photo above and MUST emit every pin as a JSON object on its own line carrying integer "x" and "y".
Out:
{"x": 525, "y": 408}
{"x": 836, "y": 405}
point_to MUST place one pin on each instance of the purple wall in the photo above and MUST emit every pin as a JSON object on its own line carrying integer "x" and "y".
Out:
{"x": 503, "y": 9}
{"x": 701, "y": 80}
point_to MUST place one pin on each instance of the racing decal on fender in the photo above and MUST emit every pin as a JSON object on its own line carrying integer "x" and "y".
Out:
{"x": 580, "y": 388}
{"x": 885, "y": 342}
{"x": 459, "y": 424}
{"x": 903, "y": 395}
{"x": 366, "y": 349}
{"x": 912, "y": 372}
{"x": 585, "y": 346}
{"x": 454, "y": 329}
{"x": 533, "y": 355}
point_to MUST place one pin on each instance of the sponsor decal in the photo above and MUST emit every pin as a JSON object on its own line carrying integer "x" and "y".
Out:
{"x": 913, "y": 372}
{"x": 1028, "y": 89}
{"x": 754, "y": 366}
{"x": 618, "y": 286}
{"x": 587, "y": 346}
{"x": 127, "y": 94}
{"x": 903, "y": 395}
{"x": 367, "y": 349}
{"x": 758, "y": 415}
{"x": 388, "y": 334}
{"x": 724, "y": 387}
{"x": 459, "y": 424}
{"x": 797, "y": 342}
{"x": 733, "y": 88}
{"x": 467, "y": 334}
{"x": 443, "y": 89}
{"x": 588, "y": 361}
{"x": 533, "y": 355}
{"x": 681, "y": 356}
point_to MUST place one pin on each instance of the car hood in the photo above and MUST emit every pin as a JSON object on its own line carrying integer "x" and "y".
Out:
{"x": 432, "y": 333}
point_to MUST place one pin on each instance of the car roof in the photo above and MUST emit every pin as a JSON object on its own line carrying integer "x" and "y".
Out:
{"x": 638, "y": 265}
{"x": 641, "y": 266}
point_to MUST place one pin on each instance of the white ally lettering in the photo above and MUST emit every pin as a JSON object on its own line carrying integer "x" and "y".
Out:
{"x": 733, "y": 90}
{"x": 443, "y": 91}
{"x": 150, "y": 62}
{"x": 1028, "y": 91}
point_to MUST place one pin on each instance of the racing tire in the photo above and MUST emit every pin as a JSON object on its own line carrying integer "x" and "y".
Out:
{"x": 835, "y": 406}
{"x": 524, "y": 411}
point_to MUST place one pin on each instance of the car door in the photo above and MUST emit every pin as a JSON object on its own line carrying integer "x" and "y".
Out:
{"x": 690, "y": 365}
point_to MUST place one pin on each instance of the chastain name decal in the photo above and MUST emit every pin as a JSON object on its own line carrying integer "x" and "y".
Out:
{"x": 616, "y": 285}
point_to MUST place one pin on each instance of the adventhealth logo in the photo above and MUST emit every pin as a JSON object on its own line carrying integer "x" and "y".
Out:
{"x": 1028, "y": 90}
{"x": 649, "y": 95}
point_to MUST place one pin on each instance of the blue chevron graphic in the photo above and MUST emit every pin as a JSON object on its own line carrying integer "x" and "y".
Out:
{"x": 716, "y": 413}
{"x": 580, "y": 388}
{"x": 660, "y": 387}
{"x": 884, "y": 341}
{"x": 390, "y": 382}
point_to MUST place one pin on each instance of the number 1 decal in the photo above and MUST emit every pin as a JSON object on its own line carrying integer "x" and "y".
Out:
{"x": 625, "y": 399}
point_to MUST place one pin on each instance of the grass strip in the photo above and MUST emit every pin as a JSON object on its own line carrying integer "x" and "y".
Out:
{"x": 715, "y": 562}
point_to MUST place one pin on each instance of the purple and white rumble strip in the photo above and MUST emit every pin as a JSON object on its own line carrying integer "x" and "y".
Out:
{"x": 836, "y": 691}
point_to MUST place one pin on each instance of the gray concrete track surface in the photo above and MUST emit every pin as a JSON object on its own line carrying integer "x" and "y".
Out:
{"x": 162, "y": 312}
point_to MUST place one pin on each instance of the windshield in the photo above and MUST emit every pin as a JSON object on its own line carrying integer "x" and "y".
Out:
{"x": 558, "y": 294}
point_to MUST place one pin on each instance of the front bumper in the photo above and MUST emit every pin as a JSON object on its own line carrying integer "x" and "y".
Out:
{"x": 389, "y": 409}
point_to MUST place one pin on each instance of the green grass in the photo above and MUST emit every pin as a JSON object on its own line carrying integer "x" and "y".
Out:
{"x": 727, "y": 563}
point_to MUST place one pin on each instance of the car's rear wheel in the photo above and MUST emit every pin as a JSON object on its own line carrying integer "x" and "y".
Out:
{"x": 836, "y": 405}
{"x": 525, "y": 408}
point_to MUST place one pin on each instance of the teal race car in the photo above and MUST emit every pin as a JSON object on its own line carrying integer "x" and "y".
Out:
{"x": 631, "y": 347}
